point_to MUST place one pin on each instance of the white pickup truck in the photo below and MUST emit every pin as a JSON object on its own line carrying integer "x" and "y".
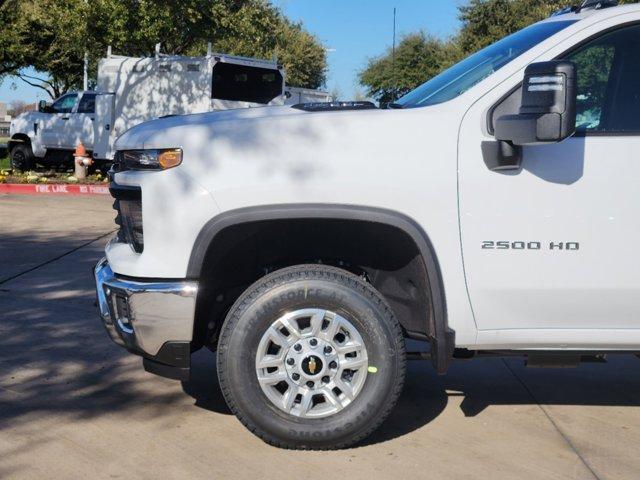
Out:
{"x": 490, "y": 211}
{"x": 50, "y": 135}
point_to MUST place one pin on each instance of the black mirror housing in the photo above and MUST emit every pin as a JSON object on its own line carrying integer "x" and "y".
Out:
{"x": 43, "y": 106}
{"x": 548, "y": 109}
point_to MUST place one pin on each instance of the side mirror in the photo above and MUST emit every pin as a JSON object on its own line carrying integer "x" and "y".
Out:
{"x": 43, "y": 106}
{"x": 547, "y": 111}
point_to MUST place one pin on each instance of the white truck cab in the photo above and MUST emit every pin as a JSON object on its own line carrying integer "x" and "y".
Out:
{"x": 55, "y": 129}
{"x": 491, "y": 210}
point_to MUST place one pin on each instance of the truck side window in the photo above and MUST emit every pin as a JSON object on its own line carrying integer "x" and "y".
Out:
{"x": 65, "y": 103}
{"x": 87, "y": 103}
{"x": 609, "y": 82}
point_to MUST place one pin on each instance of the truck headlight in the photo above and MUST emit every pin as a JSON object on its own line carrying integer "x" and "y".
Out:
{"x": 150, "y": 159}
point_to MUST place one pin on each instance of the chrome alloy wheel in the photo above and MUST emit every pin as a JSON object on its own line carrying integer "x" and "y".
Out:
{"x": 311, "y": 363}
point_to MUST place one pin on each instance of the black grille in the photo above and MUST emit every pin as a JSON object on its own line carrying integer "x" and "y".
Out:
{"x": 122, "y": 306}
{"x": 117, "y": 165}
{"x": 128, "y": 205}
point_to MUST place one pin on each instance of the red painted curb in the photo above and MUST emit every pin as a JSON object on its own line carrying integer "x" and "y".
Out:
{"x": 53, "y": 189}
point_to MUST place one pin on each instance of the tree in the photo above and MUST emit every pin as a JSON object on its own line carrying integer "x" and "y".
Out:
{"x": 418, "y": 57}
{"x": 52, "y": 36}
{"x": 17, "y": 107}
{"x": 11, "y": 55}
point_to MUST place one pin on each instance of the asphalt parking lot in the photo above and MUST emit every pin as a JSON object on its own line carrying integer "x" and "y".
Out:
{"x": 74, "y": 405}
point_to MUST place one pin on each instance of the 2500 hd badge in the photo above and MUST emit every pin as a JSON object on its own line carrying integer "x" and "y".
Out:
{"x": 535, "y": 245}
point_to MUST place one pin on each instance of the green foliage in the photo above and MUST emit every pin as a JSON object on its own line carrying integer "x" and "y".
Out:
{"x": 11, "y": 56}
{"x": 483, "y": 22}
{"x": 417, "y": 58}
{"x": 594, "y": 67}
{"x": 52, "y": 35}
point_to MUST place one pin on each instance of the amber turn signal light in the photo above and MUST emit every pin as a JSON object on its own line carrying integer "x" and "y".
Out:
{"x": 169, "y": 158}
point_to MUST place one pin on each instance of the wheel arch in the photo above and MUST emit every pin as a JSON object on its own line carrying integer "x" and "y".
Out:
{"x": 18, "y": 138}
{"x": 436, "y": 328}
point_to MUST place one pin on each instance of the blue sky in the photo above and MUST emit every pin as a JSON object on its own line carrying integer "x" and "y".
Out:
{"x": 362, "y": 29}
{"x": 352, "y": 30}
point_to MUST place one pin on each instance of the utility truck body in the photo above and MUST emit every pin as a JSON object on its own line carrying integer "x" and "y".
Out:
{"x": 133, "y": 90}
{"x": 490, "y": 211}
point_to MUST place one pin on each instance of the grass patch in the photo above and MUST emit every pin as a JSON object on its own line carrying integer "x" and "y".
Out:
{"x": 5, "y": 164}
{"x": 4, "y": 139}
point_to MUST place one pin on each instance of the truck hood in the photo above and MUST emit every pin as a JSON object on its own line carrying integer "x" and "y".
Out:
{"x": 251, "y": 153}
{"x": 149, "y": 134}
{"x": 23, "y": 123}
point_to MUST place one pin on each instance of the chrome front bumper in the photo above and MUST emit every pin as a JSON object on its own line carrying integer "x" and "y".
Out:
{"x": 147, "y": 318}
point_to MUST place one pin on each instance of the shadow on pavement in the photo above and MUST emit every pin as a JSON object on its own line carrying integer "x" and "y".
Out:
{"x": 203, "y": 385}
{"x": 55, "y": 358}
{"x": 481, "y": 383}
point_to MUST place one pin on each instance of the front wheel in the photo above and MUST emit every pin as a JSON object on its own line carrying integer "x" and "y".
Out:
{"x": 22, "y": 158}
{"x": 311, "y": 357}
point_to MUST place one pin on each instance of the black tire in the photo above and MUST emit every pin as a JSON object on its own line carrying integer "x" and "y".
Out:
{"x": 22, "y": 158}
{"x": 311, "y": 286}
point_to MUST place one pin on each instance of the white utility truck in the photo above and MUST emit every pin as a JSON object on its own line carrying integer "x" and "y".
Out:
{"x": 490, "y": 211}
{"x": 131, "y": 90}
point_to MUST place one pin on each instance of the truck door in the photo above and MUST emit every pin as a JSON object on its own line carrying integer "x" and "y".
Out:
{"x": 554, "y": 245}
{"x": 55, "y": 129}
{"x": 103, "y": 126}
{"x": 80, "y": 124}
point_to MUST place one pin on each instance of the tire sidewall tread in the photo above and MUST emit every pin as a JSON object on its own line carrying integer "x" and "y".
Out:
{"x": 29, "y": 160}
{"x": 369, "y": 419}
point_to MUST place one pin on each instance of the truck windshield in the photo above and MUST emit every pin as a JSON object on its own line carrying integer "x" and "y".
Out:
{"x": 475, "y": 68}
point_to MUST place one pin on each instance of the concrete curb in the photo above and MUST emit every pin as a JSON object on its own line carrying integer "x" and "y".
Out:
{"x": 52, "y": 189}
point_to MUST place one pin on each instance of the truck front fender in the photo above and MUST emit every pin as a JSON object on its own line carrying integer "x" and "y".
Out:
{"x": 438, "y": 332}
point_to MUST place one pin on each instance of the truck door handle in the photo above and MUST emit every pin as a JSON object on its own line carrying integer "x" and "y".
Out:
{"x": 65, "y": 118}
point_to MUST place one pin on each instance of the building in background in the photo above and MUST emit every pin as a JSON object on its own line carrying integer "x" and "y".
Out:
{"x": 5, "y": 120}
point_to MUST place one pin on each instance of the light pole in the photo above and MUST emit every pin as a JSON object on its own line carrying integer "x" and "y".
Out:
{"x": 393, "y": 59}
{"x": 85, "y": 78}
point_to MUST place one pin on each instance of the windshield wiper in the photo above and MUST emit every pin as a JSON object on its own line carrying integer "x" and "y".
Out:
{"x": 395, "y": 105}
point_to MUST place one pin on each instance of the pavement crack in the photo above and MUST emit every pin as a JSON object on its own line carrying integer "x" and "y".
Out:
{"x": 552, "y": 421}
{"x": 51, "y": 260}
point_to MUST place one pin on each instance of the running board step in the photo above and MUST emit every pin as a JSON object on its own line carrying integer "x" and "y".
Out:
{"x": 546, "y": 360}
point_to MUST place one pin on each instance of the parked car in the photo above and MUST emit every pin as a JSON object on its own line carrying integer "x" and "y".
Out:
{"x": 490, "y": 211}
